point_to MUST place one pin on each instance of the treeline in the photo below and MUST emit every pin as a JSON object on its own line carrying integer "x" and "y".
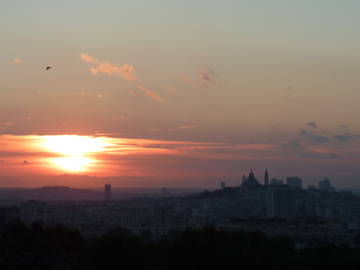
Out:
{"x": 59, "y": 247}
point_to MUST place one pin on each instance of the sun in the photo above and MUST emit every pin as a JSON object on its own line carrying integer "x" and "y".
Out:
{"x": 73, "y": 151}
{"x": 73, "y": 164}
{"x": 73, "y": 144}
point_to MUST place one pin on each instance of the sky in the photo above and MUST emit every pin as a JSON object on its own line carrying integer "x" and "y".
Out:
{"x": 221, "y": 87}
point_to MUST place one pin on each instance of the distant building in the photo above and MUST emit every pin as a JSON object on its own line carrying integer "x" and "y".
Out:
{"x": 107, "y": 191}
{"x": 266, "y": 178}
{"x": 277, "y": 182}
{"x": 294, "y": 182}
{"x": 311, "y": 187}
{"x": 222, "y": 185}
{"x": 165, "y": 192}
{"x": 243, "y": 179}
{"x": 281, "y": 202}
{"x": 325, "y": 185}
{"x": 33, "y": 211}
{"x": 251, "y": 182}
{"x": 253, "y": 196}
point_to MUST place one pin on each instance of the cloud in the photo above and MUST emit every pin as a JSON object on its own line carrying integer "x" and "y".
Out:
{"x": 133, "y": 93}
{"x": 83, "y": 93}
{"x": 333, "y": 155}
{"x": 188, "y": 127}
{"x": 314, "y": 138}
{"x": 151, "y": 94}
{"x": 126, "y": 71}
{"x": 294, "y": 144}
{"x": 6, "y": 125}
{"x": 17, "y": 61}
{"x": 87, "y": 58}
{"x": 302, "y": 150}
{"x": 315, "y": 155}
{"x": 183, "y": 127}
{"x": 346, "y": 137}
{"x": 206, "y": 79}
{"x": 312, "y": 124}
{"x": 188, "y": 79}
{"x": 206, "y": 76}
{"x": 342, "y": 137}
{"x": 119, "y": 117}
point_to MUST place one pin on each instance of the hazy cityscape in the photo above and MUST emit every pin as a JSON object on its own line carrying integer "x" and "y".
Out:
{"x": 274, "y": 206}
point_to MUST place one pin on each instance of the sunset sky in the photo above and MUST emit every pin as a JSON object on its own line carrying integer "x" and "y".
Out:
{"x": 179, "y": 93}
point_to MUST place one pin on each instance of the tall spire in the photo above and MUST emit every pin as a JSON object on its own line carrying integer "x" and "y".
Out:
{"x": 266, "y": 178}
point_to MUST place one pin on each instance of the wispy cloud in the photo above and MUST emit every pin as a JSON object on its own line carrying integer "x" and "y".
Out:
{"x": 5, "y": 125}
{"x": 126, "y": 71}
{"x": 294, "y": 144}
{"x": 314, "y": 155}
{"x": 17, "y": 61}
{"x": 300, "y": 149}
{"x": 188, "y": 79}
{"x": 312, "y": 124}
{"x": 207, "y": 78}
{"x": 133, "y": 93}
{"x": 87, "y": 58}
{"x": 183, "y": 127}
{"x": 83, "y": 93}
{"x": 150, "y": 94}
{"x": 346, "y": 137}
{"x": 314, "y": 138}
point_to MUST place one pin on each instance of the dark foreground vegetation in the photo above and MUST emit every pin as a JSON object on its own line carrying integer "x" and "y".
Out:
{"x": 58, "y": 247}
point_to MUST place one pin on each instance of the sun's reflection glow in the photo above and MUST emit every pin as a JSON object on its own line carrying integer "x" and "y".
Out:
{"x": 74, "y": 151}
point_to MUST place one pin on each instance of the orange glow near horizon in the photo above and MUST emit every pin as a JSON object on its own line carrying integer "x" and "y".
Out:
{"x": 74, "y": 151}
{"x": 106, "y": 155}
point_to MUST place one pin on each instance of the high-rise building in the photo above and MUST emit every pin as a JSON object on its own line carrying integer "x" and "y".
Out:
{"x": 277, "y": 182}
{"x": 295, "y": 182}
{"x": 325, "y": 185}
{"x": 107, "y": 191}
{"x": 266, "y": 178}
{"x": 281, "y": 202}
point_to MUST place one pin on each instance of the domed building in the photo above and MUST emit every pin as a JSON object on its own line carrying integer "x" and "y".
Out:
{"x": 253, "y": 195}
{"x": 251, "y": 182}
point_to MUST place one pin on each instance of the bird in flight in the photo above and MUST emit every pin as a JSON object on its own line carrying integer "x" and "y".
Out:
{"x": 47, "y": 68}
